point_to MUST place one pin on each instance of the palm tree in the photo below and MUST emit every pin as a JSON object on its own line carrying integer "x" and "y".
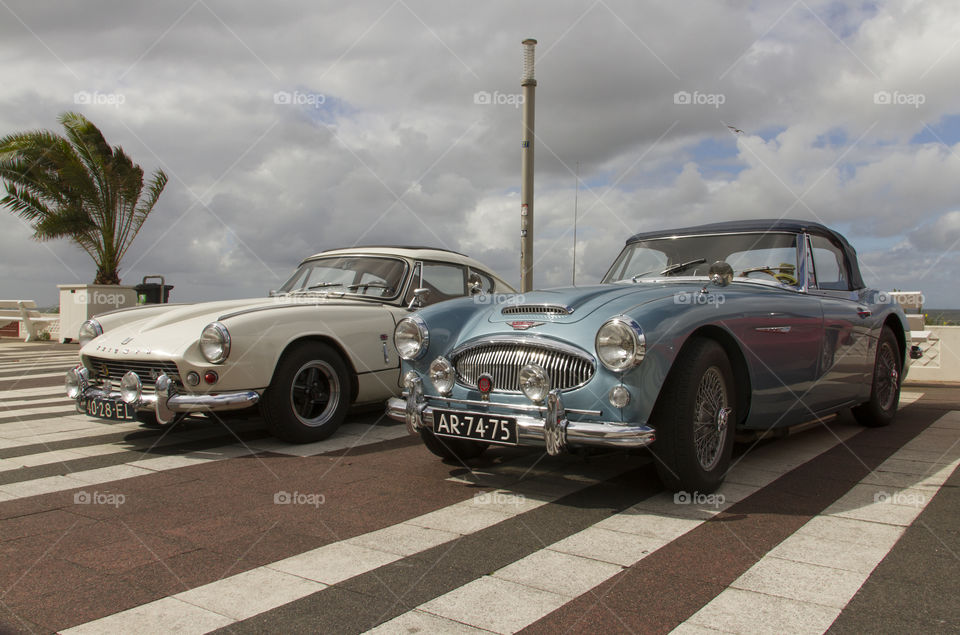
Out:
{"x": 80, "y": 188}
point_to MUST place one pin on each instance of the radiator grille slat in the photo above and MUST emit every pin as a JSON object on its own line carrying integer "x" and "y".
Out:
{"x": 525, "y": 309}
{"x": 503, "y": 362}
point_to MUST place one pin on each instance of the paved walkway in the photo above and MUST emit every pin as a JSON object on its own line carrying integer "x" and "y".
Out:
{"x": 117, "y": 528}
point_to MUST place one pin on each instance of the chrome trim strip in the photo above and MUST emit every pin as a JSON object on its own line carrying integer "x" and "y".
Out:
{"x": 507, "y": 406}
{"x": 531, "y": 431}
{"x": 773, "y": 329}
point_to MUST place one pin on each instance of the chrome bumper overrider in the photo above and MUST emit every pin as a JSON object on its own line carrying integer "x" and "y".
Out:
{"x": 552, "y": 430}
{"x": 165, "y": 401}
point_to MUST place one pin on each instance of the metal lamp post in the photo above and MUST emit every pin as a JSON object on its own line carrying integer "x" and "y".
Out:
{"x": 529, "y": 85}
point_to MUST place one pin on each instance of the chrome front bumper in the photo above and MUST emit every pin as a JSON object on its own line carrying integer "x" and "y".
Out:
{"x": 165, "y": 402}
{"x": 552, "y": 430}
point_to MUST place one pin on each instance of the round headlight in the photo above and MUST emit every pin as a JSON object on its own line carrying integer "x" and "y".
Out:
{"x": 442, "y": 374}
{"x": 215, "y": 342}
{"x": 130, "y": 387}
{"x": 620, "y": 343}
{"x": 411, "y": 338}
{"x": 89, "y": 330}
{"x": 534, "y": 382}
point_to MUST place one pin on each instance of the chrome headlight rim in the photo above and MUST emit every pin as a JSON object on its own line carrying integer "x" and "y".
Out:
{"x": 534, "y": 382}
{"x": 215, "y": 343}
{"x": 411, "y": 343}
{"x": 89, "y": 330}
{"x": 443, "y": 375}
{"x": 634, "y": 353}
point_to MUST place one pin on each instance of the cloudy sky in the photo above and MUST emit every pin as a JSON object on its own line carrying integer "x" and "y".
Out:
{"x": 291, "y": 127}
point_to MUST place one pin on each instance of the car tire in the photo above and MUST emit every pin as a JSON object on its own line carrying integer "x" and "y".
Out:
{"x": 695, "y": 419}
{"x": 880, "y": 410}
{"x": 309, "y": 395}
{"x": 452, "y": 449}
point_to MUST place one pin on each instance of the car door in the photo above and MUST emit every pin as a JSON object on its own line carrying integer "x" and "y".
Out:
{"x": 843, "y": 373}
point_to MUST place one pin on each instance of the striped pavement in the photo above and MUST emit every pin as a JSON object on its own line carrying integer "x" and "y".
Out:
{"x": 110, "y": 527}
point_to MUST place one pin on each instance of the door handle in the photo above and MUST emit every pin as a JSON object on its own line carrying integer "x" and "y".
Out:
{"x": 864, "y": 312}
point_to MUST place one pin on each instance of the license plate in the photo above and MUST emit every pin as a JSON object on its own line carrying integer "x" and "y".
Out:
{"x": 474, "y": 425}
{"x": 113, "y": 409}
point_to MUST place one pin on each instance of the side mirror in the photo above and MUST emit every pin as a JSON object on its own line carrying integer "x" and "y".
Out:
{"x": 419, "y": 298}
{"x": 720, "y": 273}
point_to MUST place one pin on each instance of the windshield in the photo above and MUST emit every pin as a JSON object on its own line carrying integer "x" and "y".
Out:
{"x": 360, "y": 275}
{"x": 762, "y": 256}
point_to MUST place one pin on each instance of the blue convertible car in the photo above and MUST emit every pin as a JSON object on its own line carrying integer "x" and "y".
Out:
{"x": 693, "y": 336}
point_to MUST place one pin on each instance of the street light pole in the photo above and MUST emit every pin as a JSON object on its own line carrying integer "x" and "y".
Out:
{"x": 529, "y": 84}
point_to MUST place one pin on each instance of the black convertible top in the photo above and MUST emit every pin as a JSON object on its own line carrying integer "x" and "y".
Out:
{"x": 766, "y": 225}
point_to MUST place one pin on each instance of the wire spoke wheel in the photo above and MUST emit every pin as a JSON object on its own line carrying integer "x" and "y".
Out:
{"x": 888, "y": 377}
{"x": 711, "y": 414}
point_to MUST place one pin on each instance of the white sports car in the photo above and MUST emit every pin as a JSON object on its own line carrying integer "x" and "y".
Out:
{"x": 320, "y": 343}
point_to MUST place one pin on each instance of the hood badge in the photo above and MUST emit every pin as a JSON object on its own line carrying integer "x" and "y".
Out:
{"x": 523, "y": 325}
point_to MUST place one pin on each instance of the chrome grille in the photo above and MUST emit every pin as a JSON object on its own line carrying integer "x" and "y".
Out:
{"x": 548, "y": 309}
{"x": 113, "y": 370}
{"x": 503, "y": 362}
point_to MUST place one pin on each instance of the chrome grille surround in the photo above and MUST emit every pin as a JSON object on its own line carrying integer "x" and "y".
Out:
{"x": 502, "y": 358}
{"x": 541, "y": 309}
{"x": 111, "y": 371}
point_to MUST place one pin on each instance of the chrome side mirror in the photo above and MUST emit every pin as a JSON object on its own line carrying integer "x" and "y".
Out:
{"x": 419, "y": 298}
{"x": 720, "y": 273}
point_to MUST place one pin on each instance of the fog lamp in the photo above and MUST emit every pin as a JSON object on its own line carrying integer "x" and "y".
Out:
{"x": 442, "y": 374}
{"x": 534, "y": 382}
{"x": 130, "y": 387}
{"x": 75, "y": 381}
{"x": 619, "y": 397}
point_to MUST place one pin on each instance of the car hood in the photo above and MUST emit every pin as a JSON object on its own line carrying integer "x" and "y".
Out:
{"x": 168, "y": 334}
{"x": 573, "y": 304}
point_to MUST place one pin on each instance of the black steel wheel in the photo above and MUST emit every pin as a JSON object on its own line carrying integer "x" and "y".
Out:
{"x": 310, "y": 393}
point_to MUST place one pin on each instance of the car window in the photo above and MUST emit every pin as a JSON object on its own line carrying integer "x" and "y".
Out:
{"x": 828, "y": 263}
{"x": 444, "y": 281}
{"x": 360, "y": 275}
{"x": 640, "y": 261}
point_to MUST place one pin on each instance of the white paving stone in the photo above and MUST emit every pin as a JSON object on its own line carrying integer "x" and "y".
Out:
{"x": 861, "y": 557}
{"x": 247, "y": 594}
{"x": 403, "y": 539}
{"x": 495, "y": 605}
{"x": 609, "y": 546}
{"x": 459, "y": 519}
{"x": 801, "y": 581}
{"x": 738, "y": 611}
{"x": 334, "y": 563}
{"x": 421, "y": 622}
{"x": 168, "y": 615}
{"x": 556, "y": 572}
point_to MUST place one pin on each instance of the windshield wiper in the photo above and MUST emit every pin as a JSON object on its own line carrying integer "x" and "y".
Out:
{"x": 680, "y": 266}
{"x": 378, "y": 285}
